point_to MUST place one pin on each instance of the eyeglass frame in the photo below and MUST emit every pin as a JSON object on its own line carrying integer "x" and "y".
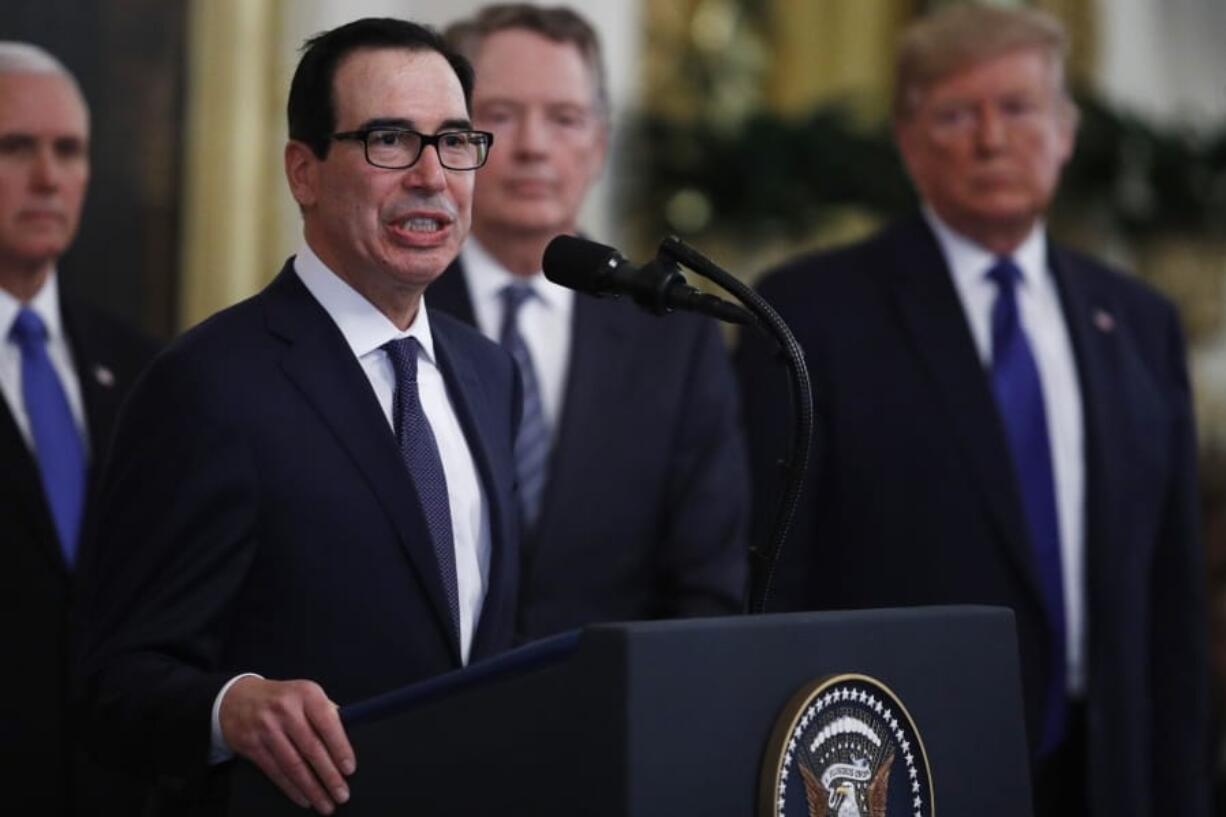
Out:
{"x": 363, "y": 135}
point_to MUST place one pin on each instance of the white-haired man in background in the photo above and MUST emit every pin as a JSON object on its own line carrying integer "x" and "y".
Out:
{"x": 64, "y": 369}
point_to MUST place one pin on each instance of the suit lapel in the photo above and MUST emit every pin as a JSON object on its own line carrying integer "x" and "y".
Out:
{"x": 450, "y": 294}
{"x": 933, "y": 314}
{"x": 472, "y": 402}
{"x": 1092, "y": 318}
{"x": 322, "y": 366}
{"x": 96, "y": 374}
{"x": 20, "y": 479}
{"x": 100, "y": 402}
{"x": 100, "y": 397}
{"x": 594, "y": 376}
{"x": 594, "y": 379}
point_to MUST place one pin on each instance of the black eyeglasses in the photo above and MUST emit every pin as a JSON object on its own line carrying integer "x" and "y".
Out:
{"x": 399, "y": 148}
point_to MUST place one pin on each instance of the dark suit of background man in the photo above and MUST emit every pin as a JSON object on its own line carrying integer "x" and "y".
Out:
{"x": 63, "y": 371}
{"x": 316, "y": 483}
{"x": 631, "y": 460}
{"x": 964, "y": 455}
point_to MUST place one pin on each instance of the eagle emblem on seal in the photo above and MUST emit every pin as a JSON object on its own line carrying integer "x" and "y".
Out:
{"x": 846, "y": 747}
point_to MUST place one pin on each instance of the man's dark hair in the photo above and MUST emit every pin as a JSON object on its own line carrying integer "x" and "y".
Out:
{"x": 312, "y": 110}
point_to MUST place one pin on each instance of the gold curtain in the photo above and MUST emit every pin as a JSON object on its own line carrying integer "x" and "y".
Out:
{"x": 824, "y": 49}
{"x": 810, "y": 51}
{"x": 234, "y": 138}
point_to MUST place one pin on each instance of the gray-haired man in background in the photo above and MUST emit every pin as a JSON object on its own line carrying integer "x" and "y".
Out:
{"x": 631, "y": 461}
{"x": 64, "y": 369}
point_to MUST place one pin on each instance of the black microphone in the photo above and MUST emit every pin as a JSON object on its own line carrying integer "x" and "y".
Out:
{"x": 658, "y": 286}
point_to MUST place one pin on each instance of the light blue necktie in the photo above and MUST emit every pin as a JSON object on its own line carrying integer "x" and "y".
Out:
{"x": 57, "y": 442}
{"x": 534, "y": 441}
{"x": 1019, "y": 396}
{"x": 420, "y": 452}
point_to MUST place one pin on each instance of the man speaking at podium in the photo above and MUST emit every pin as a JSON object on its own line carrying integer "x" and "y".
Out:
{"x": 310, "y": 500}
{"x": 631, "y": 460}
{"x": 1003, "y": 421}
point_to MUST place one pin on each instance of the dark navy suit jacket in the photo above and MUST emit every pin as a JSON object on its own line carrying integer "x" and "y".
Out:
{"x": 645, "y": 513}
{"x": 43, "y": 771}
{"x": 911, "y": 497}
{"x": 258, "y": 518}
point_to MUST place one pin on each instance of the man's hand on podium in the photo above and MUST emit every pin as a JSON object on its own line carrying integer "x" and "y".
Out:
{"x": 293, "y": 733}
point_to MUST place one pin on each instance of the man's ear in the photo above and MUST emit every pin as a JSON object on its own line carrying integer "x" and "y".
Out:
{"x": 600, "y": 152}
{"x": 906, "y": 137}
{"x": 1069, "y": 120}
{"x": 302, "y": 173}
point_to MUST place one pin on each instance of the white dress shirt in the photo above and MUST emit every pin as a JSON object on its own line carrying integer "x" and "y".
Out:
{"x": 544, "y": 321}
{"x": 45, "y": 304}
{"x": 1047, "y": 332}
{"x": 366, "y": 329}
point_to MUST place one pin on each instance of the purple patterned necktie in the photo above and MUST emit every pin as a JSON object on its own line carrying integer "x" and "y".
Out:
{"x": 57, "y": 442}
{"x": 1019, "y": 396}
{"x": 420, "y": 453}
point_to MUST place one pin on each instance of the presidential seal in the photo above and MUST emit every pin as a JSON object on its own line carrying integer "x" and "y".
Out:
{"x": 846, "y": 747}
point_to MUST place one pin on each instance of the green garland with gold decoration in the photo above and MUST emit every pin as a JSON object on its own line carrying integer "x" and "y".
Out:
{"x": 774, "y": 176}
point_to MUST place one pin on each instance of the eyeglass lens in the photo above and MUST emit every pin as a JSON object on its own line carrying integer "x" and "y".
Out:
{"x": 399, "y": 148}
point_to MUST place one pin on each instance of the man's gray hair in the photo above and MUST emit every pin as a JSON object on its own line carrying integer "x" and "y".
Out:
{"x": 560, "y": 24}
{"x": 27, "y": 58}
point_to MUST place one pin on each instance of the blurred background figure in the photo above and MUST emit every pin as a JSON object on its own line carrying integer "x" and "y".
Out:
{"x": 64, "y": 369}
{"x": 1213, "y": 507}
{"x": 1003, "y": 421}
{"x": 1217, "y": 654}
{"x": 631, "y": 462}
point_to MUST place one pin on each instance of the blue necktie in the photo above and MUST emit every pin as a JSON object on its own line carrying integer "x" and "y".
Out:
{"x": 420, "y": 453}
{"x": 1019, "y": 396}
{"x": 57, "y": 442}
{"x": 534, "y": 440}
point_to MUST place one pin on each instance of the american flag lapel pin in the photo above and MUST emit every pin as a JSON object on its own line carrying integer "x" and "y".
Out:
{"x": 104, "y": 376}
{"x": 1103, "y": 321}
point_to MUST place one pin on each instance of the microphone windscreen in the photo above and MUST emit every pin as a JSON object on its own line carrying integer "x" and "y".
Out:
{"x": 577, "y": 263}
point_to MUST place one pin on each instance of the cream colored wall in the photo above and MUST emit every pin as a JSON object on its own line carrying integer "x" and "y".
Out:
{"x": 1164, "y": 59}
{"x": 830, "y": 48}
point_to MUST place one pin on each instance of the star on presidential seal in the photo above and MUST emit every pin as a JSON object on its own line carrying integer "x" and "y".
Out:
{"x": 845, "y": 746}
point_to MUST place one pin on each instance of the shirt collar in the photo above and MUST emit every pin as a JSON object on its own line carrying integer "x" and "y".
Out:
{"x": 969, "y": 261}
{"x": 364, "y": 327}
{"x": 45, "y": 304}
{"x": 487, "y": 278}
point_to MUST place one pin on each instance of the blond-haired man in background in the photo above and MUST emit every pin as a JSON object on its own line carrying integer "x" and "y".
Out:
{"x": 1004, "y": 421}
